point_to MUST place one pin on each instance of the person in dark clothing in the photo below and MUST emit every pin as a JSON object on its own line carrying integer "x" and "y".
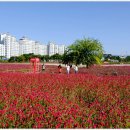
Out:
{"x": 60, "y": 68}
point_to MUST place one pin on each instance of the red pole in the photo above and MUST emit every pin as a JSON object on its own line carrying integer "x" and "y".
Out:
{"x": 34, "y": 66}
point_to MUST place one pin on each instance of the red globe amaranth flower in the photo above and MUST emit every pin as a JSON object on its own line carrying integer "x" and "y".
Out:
{"x": 89, "y": 99}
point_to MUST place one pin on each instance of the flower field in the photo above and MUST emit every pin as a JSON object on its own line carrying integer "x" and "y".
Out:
{"x": 93, "y": 98}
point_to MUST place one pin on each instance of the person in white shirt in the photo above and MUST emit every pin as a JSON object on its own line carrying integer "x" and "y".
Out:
{"x": 76, "y": 69}
{"x": 68, "y": 69}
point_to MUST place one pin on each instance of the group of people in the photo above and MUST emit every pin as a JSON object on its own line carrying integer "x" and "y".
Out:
{"x": 68, "y": 68}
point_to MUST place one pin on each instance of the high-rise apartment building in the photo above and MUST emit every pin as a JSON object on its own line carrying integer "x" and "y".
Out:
{"x": 45, "y": 49}
{"x": 61, "y": 49}
{"x": 26, "y": 46}
{"x": 51, "y": 49}
{"x": 39, "y": 49}
{"x": 14, "y": 48}
{"x": 10, "y": 47}
{"x": 29, "y": 46}
{"x": 2, "y": 46}
{"x": 2, "y": 50}
{"x": 54, "y": 48}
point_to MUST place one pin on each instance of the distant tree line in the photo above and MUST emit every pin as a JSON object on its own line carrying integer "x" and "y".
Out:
{"x": 65, "y": 58}
{"x": 43, "y": 58}
{"x": 120, "y": 59}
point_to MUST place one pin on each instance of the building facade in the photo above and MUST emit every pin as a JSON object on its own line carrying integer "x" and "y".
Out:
{"x": 55, "y": 49}
{"x": 26, "y": 46}
{"x": 2, "y": 50}
{"x": 14, "y": 47}
{"x": 9, "y": 47}
{"x": 61, "y": 49}
{"x": 51, "y": 48}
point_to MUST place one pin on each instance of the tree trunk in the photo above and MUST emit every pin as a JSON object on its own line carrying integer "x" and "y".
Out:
{"x": 87, "y": 66}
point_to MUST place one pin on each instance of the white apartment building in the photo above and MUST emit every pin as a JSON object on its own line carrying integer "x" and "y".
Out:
{"x": 39, "y": 49}
{"x": 26, "y": 46}
{"x": 51, "y": 49}
{"x": 10, "y": 45}
{"x": 45, "y": 49}
{"x": 7, "y": 43}
{"x": 2, "y": 50}
{"x": 2, "y": 36}
{"x": 14, "y": 48}
{"x": 2, "y": 46}
{"x": 29, "y": 46}
{"x": 61, "y": 49}
{"x": 56, "y": 49}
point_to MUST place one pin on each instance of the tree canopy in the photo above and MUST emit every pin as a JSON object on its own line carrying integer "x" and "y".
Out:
{"x": 86, "y": 51}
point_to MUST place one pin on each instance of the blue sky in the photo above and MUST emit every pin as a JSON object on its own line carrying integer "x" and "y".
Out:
{"x": 65, "y": 22}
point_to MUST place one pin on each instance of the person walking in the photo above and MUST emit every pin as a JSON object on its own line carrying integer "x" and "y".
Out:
{"x": 43, "y": 67}
{"x": 76, "y": 69}
{"x": 68, "y": 68}
{"x": 60, "y": 68}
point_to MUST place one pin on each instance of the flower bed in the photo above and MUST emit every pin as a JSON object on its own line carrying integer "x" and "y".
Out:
{"x": 47, "y": 100}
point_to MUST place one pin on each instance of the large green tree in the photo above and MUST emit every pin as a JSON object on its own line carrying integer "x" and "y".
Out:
{"x": 86, "y": 51}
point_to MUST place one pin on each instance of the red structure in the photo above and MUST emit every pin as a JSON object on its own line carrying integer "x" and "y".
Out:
{"x": 35, "y": 63}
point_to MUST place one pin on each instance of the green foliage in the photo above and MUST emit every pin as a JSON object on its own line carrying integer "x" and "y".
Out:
{"x": 86, "y": 51}
{"x": 56, "y": 57}
{"x": 23, "y": 58}
{"x": 26, "y": 57}
{"x": 13, "y": 59}
{"x": 127, "y": 59}
{"x": 46, "y": 58}
{"x": 107, "y": 57}
{"x": 116, "y": 58}
{"x": 67, "y": 57}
